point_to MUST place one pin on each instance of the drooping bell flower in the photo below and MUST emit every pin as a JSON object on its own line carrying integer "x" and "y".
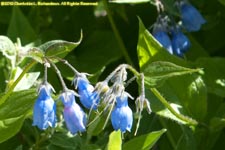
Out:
{"x": 88, "y": 97}
{"x": 160, "y": 32}
{"x": 191, "y": 19}
{"x": 44, "y": 113}
{"x": 180, "y": 42}
{"x": 74, "y": 116}
{"x": 122, "y": 116}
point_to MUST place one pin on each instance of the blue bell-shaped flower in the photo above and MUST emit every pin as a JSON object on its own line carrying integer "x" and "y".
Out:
{"x": 122, "y": 116}
{"x": 191, "y": 19}
{"x": 161, "y": 35}
{"x": 180, "y": 42}
{"x": 74, "y": 116}
{"x": 44, "y": 113}
{"x": 88, "y": 97}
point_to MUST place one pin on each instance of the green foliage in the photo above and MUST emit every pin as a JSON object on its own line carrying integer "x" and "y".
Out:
{"x": 186, "y": 95}
{"x": 114, "y": 141}
{"x": 143, "y": 142}
{"x": 13, "y": 112}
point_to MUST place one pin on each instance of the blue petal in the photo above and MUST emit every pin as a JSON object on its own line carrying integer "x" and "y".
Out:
{"x": 122, "y": 118}
{"x": 68, "y": 98}
{"x": 164, "y": 39}
{"x": 192, "y": 20}
{"x": 82, "y": 83}
{"x": 122, "y": 100}
{"x": 88, "y": 98}
{"x": 44, "y": 114}
{"x": 75, "y": 118}
{"x": 180, "y": 43}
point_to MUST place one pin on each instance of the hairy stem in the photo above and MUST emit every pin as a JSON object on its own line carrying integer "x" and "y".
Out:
{"x": 167, "y": 105}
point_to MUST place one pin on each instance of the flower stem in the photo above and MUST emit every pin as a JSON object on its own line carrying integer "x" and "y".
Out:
{"x": 59, "y": 75}
{"x": 116, "y": 33}
{"x": 11, "y": 88}
{"x": 167, "y": 105}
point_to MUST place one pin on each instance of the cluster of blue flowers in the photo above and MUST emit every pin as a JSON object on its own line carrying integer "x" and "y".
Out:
{"x": 114, "y": 98}
{"x": 171, "y": 36}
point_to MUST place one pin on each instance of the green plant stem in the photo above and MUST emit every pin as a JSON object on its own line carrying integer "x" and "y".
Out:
{"x": 167, "y": 105}
{"x": 11, "y": 88}
{"x": 116, "y": 33}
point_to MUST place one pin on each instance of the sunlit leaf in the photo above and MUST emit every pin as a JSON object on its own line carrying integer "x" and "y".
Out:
{"x": 13, "y": 112}
{"x": 143, "y": 142}
{"x": 115, "y": 141}
{"x": 159, "y": 71}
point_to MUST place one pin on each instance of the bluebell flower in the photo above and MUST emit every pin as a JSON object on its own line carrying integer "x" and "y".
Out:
{"x": 74, "y": 116}
{"x": 164, "y": 39}
{"x": 161, "y": 35}
{"x": 88, "y": 97}
{"x": 180, "y": 43}
{"x": 191, "y": 19}
{"x": 122, "y": 116}
{"x": 44, "y": 114}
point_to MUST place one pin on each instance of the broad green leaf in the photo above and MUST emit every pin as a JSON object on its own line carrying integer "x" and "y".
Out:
{"x": 167, "y": 114}
{"x": 7, "y": 47}
{"x": 150, "y": 50}
{"x": 129, "y": 1}
{"x": 58, "y": 48}
{"x": 159, "y": 71}
{"x": 214, "y": 76}
{"x": 27, "y": 81}
{"x": 13, "y": 112}
{"x": 35, "y": 54}
{"x": 115, "y": 141}
{"x": 64, "y": 141}
{"x": 8, "y": 50}
{"x": 188, "y": 90}
{"x": 143, "y": 142}
{"x": 19, "y": 27}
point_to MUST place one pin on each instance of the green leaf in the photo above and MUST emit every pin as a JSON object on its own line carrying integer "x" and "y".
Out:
{"x": 27, "y": 81}
{"x": 19, "y": 27}
{"x": 143, "y": 142}
{"x": 58, "y": 48}
{"x": 214, "y": 76}
{"x": 150, "y": 50}
{"x": 13, "y": 112}
{"x": 64, "y": 141}
{"x": 7, "y": 47}
{"x": 115, "y": 141}
{"x": 129, "y": 1}
{"x": 159, "y": 71}
{"x": 191, "y": 94}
